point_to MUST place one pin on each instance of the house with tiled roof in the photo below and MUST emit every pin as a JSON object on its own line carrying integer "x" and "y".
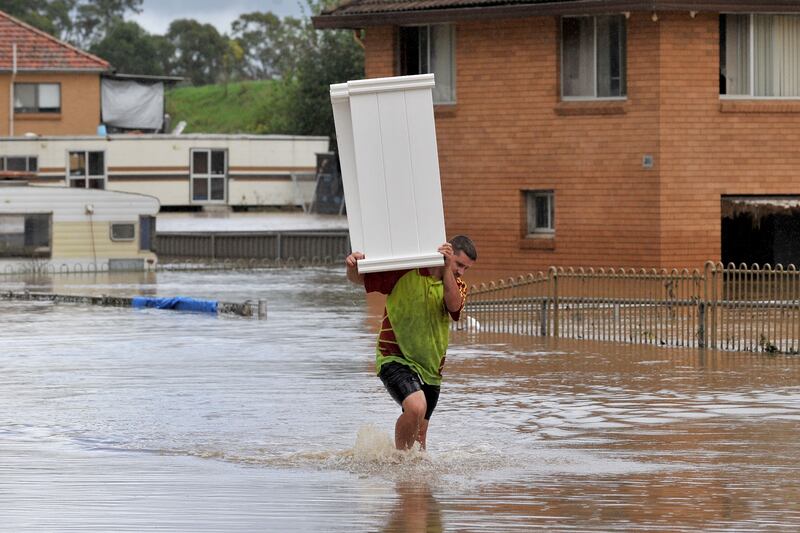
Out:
{"x": 52, "y": 87}
{"x": 658, "y": 133}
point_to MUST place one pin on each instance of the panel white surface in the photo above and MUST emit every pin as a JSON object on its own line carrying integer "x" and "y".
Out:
{"x": 390, "y": 170}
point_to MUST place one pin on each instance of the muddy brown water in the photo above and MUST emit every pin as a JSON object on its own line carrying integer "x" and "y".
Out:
{"x": 145, "y": 420}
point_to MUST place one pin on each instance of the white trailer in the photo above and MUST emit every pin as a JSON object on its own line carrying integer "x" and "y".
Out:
{"x": 66, "y": 229}
{"x": 179, "y": 170}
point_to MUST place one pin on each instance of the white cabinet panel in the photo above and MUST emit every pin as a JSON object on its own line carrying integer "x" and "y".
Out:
{"x": 390, "y": 170}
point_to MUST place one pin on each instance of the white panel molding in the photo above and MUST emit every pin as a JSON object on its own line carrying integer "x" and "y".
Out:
{"x": 386, "y": 134}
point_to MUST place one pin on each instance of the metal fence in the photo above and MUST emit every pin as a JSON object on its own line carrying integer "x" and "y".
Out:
{"x": 723, "y": 307}
{"x": 303, "y": 247}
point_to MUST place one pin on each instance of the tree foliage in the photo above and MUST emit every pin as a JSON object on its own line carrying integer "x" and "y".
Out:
{"x": 51, "y": 16}
{"x": 131, "y": 50}
{"x": 199, "y": 51}
{"x": 270, "y": 44}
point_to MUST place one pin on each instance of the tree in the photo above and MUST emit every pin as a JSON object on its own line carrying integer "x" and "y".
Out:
{"x": 270, "y": 44}
{"x": 50, "y": 16}
{"x": 330, "y": 56}
{"x": 95, "y": 18}
{"x": 131, "y": 50}
{"x": 199, "y": 50}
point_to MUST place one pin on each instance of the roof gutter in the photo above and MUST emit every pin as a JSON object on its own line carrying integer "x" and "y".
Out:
{"x": 577, "y": 7}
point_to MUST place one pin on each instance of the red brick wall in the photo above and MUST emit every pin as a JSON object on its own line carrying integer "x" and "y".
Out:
{"x": 509, "y": 131}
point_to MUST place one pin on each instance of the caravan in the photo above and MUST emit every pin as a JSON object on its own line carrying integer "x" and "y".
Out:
{"x": 66, "y": 229}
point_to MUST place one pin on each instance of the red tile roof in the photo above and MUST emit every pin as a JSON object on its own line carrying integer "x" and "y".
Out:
{"x": 38, "y": 51}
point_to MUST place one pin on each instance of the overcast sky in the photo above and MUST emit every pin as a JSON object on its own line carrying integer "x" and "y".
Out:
{"x": 156, "y": 15}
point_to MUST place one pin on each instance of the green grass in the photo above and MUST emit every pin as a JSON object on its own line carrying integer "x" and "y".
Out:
{"x": 248, "y": 107}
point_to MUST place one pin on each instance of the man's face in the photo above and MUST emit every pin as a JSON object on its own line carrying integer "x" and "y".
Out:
{"x": 460, "y": 263}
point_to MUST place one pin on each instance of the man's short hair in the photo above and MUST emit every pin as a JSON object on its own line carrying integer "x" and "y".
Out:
{"x": 462, "y": 243}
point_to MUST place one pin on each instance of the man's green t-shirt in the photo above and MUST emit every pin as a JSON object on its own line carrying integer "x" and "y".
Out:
{"x": 417, "y": 316}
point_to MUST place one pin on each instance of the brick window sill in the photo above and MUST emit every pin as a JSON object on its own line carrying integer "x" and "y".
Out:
{"x": 537, "y": 243}
{"x": 759, "y": 106}
{"x": 37, "y": 116}
{"x": 571, "y": 108}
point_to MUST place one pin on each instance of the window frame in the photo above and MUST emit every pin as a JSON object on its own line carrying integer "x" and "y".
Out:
{"x": 28, "y": 159}
{"x": 86, "y": 177}
{"x": 147, "y": 237}
{"x": 751, "y": 52}
{"x": 452, "y": 59}
{"x": 208, "y": 176}
{"x": 32, "y": 251}
{"x": 532, "y": 229}
{"x": 37, "y": 108}
{"x": 114, "y": 238}
{"x": 622, "y": 60}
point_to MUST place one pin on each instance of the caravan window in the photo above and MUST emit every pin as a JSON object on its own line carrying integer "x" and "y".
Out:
{"x": 25, "y": 235}
{"x": 19, "y": 163}
{"x": 208, "y": 175}
{"x": 87, "y": 170}
{"x": 123, "y": 231}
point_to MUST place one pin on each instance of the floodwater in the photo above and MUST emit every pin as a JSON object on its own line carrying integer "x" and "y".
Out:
{"x": 150, "y": 420}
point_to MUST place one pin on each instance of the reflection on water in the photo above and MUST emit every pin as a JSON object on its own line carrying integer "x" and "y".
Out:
{"x": 133, "y": 420}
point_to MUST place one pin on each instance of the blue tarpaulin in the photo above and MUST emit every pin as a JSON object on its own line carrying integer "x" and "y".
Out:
{"x": 180, "y": 303}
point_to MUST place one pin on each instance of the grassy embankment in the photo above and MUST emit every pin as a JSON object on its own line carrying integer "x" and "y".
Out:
{"x": 248, "y": 107}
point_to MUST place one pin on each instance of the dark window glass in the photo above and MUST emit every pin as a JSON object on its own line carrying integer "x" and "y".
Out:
{"x": 96, "y": 165}
{"x": 17, "y": 163}
{"x": 218, "y": 162}
{"x": 200, "y": 189}
{"x": 200, "y": 162}
{"x": 217, "y": 188}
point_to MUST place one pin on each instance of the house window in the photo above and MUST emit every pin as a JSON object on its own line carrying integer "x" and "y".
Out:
{"x": 123, "y": 231}
{"x": 37, "y": 98}
{"x": 147, "y": 233}
{"x": 209, "y": 171}
{"x": 593, "y": 55}
{"x": 25, "y": 235}
{"x": 540, "y": 206}
{"x": 426, "y": 49}
{"x": 19, "y": 163}
{"x": 760, "y": 55}
{"x": 87, "y": 170}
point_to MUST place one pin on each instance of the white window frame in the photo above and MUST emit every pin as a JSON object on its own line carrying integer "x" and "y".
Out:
{"x": 532, "y": 229}
{"x": 452, "y": 60}
{"x": 87, "y": 177}
{"x": 39, "y": 251}
{"x": 751, "y": 64}
{"x": 623, "y": 63}
{"x": 208, "y": 176}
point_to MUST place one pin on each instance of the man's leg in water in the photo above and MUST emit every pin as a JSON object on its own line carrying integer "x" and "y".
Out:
{"x": 411, "y": 425}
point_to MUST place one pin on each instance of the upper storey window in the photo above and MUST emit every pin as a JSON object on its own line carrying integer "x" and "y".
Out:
{"x": 760, "y": 55}
{"x": 37, "y": 98}
{"x": 593, "y": 52}
{"x": 426, "y": 49}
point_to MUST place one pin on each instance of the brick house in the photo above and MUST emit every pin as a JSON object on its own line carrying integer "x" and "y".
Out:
{"x": 605, "y": 133}
{"x": 56, "y": 86}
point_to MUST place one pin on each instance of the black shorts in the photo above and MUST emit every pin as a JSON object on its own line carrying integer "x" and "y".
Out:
{"x": 401, "y": 381}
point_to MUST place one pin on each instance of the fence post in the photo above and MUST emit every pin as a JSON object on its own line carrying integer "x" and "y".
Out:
{"x": 554, "y": 294}
{"x": 701, "y": 330}
{"x": 543, "y": 320}
{"x": 278, "y": 249}
{"x": 213, "y": 248}
{"x": 710, "y": 296}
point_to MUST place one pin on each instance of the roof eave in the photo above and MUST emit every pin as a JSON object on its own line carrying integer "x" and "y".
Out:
{"x": 419, "y": 16}
{"x": 58, "y": 70}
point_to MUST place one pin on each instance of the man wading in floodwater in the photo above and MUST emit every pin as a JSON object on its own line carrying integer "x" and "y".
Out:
{"x": 413, "y": 337}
